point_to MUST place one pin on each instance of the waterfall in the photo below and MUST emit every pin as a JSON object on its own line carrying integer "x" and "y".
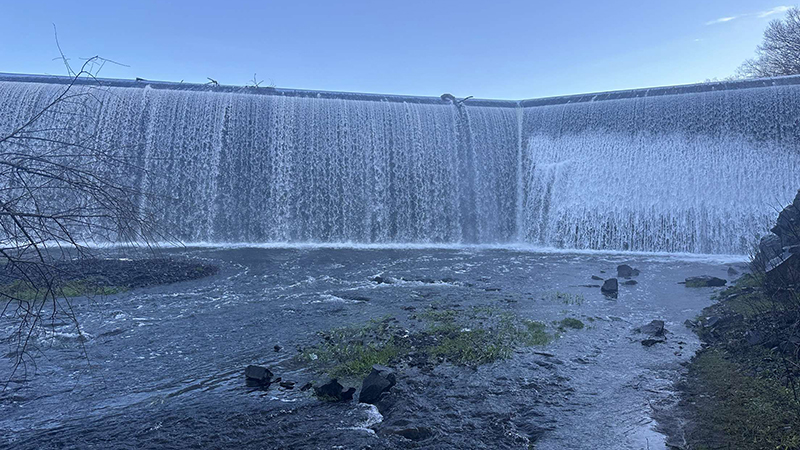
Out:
{"x": 700, "y": 170}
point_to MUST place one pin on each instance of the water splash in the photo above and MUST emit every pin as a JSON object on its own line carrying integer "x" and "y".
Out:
{"x": 699, "y": 172}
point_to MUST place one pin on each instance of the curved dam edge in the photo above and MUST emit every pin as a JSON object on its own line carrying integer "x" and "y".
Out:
{"x": 310, "y": 93}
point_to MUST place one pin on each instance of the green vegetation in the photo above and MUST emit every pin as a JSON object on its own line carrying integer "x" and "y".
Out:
{"x": 741, "y": 393}
{"x": 570, "y": 322}
{"x": 472, "y": 337}
{"x": 25, "y": 291}
{"x": 565, "y": 298}
{"x": 740, "y": 410}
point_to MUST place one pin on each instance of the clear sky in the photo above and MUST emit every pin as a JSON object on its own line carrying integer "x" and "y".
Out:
{"x": 489, "y": 49}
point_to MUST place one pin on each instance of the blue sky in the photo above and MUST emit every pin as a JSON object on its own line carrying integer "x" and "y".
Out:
{"x": 490, "y": 49}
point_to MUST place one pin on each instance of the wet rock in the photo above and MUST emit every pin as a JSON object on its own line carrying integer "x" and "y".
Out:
{"x": 754, "y": 337}
{"x": 347, "y": 395}
{"x": 306, "y": 387}
{"x": 610, "y": 287}
{"x": 333, "y": 391}
{"x": 257, "y": 374}
{"x": 732, "y": 272}
{"x": 595, "y": 277}
{"x": 712, "y": 321}
{"x": 705, "y": 281}
{"x": 277, "y": 348}
{"x": 379, "y": 380}
{"x": 770, "y": 246}
{"x": 784, "y": 271}
{"x": 382, "y": 280}
{"x": 287, "y": 384}
{"x": 414, "y": 433}
{"x": 626, "y": 271}
{"x": 631, "y": 283}
{"x": 649, "y": 342}
{"x": 654, "y": 328}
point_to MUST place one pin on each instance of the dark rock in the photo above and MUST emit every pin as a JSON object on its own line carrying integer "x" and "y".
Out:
{"x": 712, "y": 321}
{"x": 649, "y": 342}
{"x": 331, "y": 389}
{"x": 414, "y": 433}
{"x": 610, "y": 287}
{"x": 595, "y": 277}
{"x": 788, "y": 224}
{"x": 769, "y": 247}
{"x": 334, "y": 391}
{"x": 626, "y": 271}
{"x": 631, "y": 283}
{"x": 379, "y": 380}
{"x": 732, "y": 272}
{"x": 277, "y": 348}
{"x": 258, "y": 374}
{"x": 784, "y": 271}
{"x": 306, "y": 387}
{"x": 347, "y": 395}
{"x": 688, "y": 323}
{"x": 287, "y": 384}
{"x": 382, "y": 280}
{"x": 705, "y": 281}
{"x": 754, "y": 337}
{"x": 654, "y": 328}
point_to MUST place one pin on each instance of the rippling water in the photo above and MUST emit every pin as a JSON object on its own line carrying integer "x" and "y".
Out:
{"x": 163, "y": 366}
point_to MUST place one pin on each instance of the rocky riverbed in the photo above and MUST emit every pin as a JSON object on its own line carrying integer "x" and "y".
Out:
{"x": 163, "y": 366}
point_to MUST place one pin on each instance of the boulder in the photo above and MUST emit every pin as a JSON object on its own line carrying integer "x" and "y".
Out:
{"x": 382, "y": 280}
{"x": 705, "y": 281}
{"x": 610, "y": 287}
{"x": 732, "y": 272}
{"x": 379, "y": 380}
{"x": 784, "y": 271}
{"x": 257, "y": 374}
{"x": 788, "y": 224}
{"x": 631, "y": 283}
{"x": 654, "y": 328}
{"x": 332, "y": 390}
{"x": 769, "y": 247}
{"x": 626, "y": 271}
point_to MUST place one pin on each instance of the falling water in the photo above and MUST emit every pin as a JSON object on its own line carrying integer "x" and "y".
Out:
{"x": 691, "y": 172}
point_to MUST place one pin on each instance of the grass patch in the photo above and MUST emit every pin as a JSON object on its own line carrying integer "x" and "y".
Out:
{"x": 740, "y": 410}
{"x": 570, "y": 322}
{"x": 565, "y": 298}
{"x": 25, "y": 291}
{"x": 470, "y": 337}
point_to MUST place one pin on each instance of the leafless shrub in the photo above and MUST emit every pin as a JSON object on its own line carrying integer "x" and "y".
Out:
{"x": 779, "y": 53}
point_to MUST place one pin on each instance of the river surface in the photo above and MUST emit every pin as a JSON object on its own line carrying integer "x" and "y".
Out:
{"x": 162, "y": 367}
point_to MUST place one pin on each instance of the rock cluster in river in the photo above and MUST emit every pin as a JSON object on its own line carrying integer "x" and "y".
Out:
{"x": 379, "y": 380}
{"x": 655, "y": 331}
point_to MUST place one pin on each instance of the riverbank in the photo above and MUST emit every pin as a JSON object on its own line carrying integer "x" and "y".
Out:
{"x": 741, "y": 389}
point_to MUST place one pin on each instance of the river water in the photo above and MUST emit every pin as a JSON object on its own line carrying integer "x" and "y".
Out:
{"x": 162, "y": 367}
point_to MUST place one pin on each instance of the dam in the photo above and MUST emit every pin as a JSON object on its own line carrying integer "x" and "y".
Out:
{"x": 688, "y": 169}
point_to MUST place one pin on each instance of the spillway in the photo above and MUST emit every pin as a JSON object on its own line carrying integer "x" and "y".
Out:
{"x": 695, "y": 169}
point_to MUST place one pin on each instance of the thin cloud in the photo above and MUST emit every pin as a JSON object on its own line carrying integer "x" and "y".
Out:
{"x": 722, "y": 20}
{"x": 760, "y": 15}
{"x": 773, "y": 11}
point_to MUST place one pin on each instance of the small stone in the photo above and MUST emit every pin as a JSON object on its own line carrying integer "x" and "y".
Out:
{"x": 626, "y": 271}
{"x": 610, "y": 287}
{"x": 379, "y": 380}
{"x": 595, "y": 277}
{"x": 631, "y": 283}
{"x": 306, "y": 387}
{"x": 277, "y": 348}
{"x": 649, "y": 342}
{"x": 257, "y": 374}
{"x": 705, "y": 281}
{"x": 654, "y": 328}
{"x": 287, "y": 384}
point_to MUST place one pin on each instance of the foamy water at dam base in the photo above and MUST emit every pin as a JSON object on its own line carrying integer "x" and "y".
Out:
{"x": 165, "y": 364}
